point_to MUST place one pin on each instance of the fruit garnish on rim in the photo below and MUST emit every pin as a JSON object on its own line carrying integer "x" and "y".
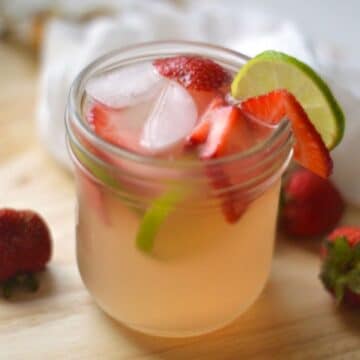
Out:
{"x": 309, "y": 149}
{"x": 274, "y": 70}
{"x": 274, "y": 86}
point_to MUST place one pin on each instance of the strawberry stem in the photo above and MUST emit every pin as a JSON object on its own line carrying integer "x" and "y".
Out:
{"x": 340, "y": 289}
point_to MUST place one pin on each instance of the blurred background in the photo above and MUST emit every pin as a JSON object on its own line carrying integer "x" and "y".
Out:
{"x": 329, "y": 21}
{"x": 45, "y": 43}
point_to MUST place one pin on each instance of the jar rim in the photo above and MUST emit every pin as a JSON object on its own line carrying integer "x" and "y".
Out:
{"x": 155, "y": 49}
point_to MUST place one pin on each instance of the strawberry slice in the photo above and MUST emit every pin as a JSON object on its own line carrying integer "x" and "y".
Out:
{"x": 229, "y": 133}
{"x": 193, "y": 72}
{"x": 201, "y": 131}
{"x": 203, "y": 99}
{"x": 224, "y": 130}
{"x": 105, "y": 123}
{"x": 309, "y": 149}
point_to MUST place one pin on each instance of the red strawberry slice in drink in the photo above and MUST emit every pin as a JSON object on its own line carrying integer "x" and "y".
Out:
{"x": 201, "y": 131}
{"x": 222, "y": 131}
{"x": 229, "y": 133}
{"x": 309, "y": 149}
{"x": 107, "y": 123}
{"x": 203, "y": 78}
{"x": 203, "y": 99}
{"x": 193, "y": 72}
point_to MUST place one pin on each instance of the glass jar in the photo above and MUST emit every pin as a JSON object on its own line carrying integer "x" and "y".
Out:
{"x": 153, "y": 246}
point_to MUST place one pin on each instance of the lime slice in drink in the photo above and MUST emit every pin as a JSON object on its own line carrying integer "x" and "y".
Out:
{"x": 272, "y": 70}
{"x": 155, "y": 216}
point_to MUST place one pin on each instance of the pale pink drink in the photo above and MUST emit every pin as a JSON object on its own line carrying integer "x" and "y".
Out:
{"x": 156, "y": 245}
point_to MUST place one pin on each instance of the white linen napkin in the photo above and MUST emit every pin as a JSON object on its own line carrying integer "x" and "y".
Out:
{"x": 69, "y": 47}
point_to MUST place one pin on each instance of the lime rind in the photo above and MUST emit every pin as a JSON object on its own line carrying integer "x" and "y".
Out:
{"x": 272, "y": 70}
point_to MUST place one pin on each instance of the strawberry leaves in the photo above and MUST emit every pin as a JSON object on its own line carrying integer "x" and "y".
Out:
{"x": 341, "y": 269}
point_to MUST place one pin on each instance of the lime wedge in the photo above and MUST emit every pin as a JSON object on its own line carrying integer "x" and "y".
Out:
{"x": 154, "y": 217}
{"x": 272, "y": 70}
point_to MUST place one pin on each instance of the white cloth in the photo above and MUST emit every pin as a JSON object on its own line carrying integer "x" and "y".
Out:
{"x": 69, "y": 47}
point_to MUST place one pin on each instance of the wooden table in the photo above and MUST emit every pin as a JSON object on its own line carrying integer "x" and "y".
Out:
{"x": 293, "y": 319}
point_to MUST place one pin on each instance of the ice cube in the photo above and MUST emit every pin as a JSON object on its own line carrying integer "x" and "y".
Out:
{"x": 126, "y": 86}
{"x": 172, "y": 118}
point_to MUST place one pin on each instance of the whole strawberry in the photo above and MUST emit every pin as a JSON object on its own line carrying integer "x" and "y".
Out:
{"x": 312, "y": 205}
{"x": 25, "y": 247}
{"x": 340, "y": 271}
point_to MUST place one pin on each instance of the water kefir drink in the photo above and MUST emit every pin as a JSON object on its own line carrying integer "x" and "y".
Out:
{"x": 163, "y": 249}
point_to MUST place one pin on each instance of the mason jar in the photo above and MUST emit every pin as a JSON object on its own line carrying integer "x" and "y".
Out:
{"x": 154, "y": 248}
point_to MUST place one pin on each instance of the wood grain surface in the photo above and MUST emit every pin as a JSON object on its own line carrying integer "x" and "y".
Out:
{"x": 293, "y": 319}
